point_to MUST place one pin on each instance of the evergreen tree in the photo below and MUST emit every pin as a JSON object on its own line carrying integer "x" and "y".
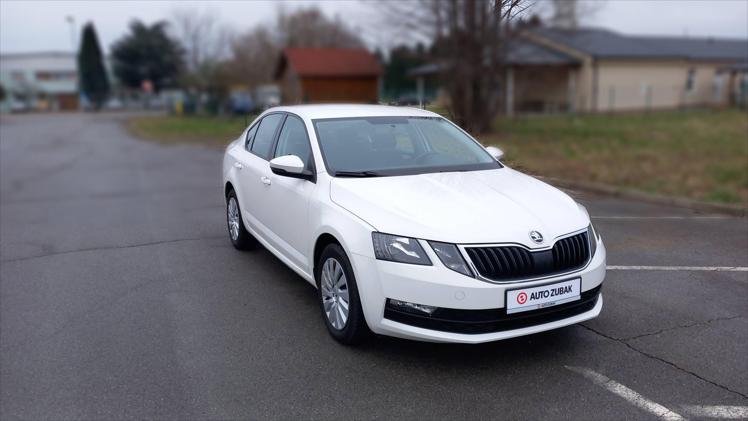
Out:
{"x": 94, "y": 83}
{"x": 402, "y": 59}
{"x": 147, "y": 52}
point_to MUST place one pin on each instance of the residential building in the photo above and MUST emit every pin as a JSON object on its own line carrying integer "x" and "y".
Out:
{"x": 598, "y": 70}
{"x": 328, "y": 75}
{"x": 615, "y": 72}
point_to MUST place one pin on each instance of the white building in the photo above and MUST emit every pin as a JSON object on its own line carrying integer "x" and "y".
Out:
{"x": 39, "y": 81}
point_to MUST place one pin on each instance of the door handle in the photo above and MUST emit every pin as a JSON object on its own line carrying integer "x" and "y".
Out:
{"x": 238, "y": 165}
{"x": 265, "y": 180}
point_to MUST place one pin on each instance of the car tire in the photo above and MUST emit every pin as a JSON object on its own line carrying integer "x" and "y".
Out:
{"x": 336, "y": 283}
{"x": 238, "y": 234}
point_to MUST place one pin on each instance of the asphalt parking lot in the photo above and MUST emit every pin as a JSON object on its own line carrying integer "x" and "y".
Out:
{"x": 121, "y": 297}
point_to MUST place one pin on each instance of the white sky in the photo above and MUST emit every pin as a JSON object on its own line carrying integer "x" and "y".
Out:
{"x": 42, "y": 25}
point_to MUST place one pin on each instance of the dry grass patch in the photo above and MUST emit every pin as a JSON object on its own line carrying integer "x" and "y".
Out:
{"x": 701, "y": 155}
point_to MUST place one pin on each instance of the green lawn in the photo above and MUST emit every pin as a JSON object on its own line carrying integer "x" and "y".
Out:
{"x": 211, "y": 131}
{"x": 700, "y": 155}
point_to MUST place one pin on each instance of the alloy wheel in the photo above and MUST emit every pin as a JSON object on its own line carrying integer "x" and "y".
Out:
{"x": 233, "y": 218}
{"x": 335, "y": 298}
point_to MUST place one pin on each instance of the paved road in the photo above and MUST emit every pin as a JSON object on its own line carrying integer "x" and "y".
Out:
{"x": 121, "y": 297}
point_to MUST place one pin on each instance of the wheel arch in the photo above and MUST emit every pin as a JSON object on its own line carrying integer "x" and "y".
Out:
{"x": 323, "y": 240}
{"x": 227, "y": 188}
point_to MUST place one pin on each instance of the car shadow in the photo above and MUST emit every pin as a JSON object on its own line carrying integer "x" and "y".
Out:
{"x": 540, "y": 346}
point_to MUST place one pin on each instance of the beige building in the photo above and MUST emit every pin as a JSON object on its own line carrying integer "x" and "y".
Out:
{"x": 596, "y": 70}
{"x": 614, "y": 72}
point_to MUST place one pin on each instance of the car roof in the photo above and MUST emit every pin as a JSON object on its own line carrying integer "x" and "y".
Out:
{"x": 315, "y": 111}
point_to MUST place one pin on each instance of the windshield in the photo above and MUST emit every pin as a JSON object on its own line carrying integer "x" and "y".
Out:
{"x": 379, "y": 146}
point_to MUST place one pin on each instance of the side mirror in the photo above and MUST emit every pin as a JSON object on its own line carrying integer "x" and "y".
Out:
{"x": 289, "y": 166}
{"x": 495, "y": 152}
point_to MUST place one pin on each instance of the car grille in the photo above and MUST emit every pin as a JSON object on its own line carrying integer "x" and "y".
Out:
{"x": 506, "y": 263}
{"x": 475, "y": 322}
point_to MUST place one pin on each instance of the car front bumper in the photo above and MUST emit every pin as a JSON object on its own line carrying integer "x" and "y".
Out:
{"x": 441, "y": 287}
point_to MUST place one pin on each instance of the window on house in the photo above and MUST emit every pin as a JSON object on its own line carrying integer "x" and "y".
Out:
{"x": 691, "y": 80}
{"x": 55, "y": 75}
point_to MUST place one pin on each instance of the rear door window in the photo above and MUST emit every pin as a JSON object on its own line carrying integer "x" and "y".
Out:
{"x": 263, "y": 142}
{"x": 250, "y": 136}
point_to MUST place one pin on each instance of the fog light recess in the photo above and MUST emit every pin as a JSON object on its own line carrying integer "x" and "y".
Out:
{"x": 411, "y": 307}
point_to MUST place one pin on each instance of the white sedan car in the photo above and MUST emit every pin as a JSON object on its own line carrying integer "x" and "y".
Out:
{"x": 408, "y": 227}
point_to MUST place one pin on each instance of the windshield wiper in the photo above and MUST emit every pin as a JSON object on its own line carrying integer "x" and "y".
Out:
{"x": 357, "y": 174}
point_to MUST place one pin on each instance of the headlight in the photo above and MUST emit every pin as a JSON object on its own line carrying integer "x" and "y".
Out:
{"x": 593, "y": 238}
{"x": 399, "y": 249}
{"x": 450, "y": 255}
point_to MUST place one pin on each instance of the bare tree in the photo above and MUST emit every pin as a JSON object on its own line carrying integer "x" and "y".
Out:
{"x": 255, "y": 53}
{"x": 470, "y": 39}
{"x": 309, "y": 27}
{"x": 206, "y": 46}
{"x": 203, "y": 36}
{"x": 254, "y": 56}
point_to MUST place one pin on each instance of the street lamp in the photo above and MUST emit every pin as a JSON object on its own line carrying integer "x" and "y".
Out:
{"x": 71, "y": 20}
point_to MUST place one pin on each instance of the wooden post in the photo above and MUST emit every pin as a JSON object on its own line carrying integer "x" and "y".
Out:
{"x": 509, "y": 92}
{"x": 572, "y": 94}
{"x": 419, "y": 91}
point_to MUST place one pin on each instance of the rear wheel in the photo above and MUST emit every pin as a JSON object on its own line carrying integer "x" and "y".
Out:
{"x": 338, "y": 297}
{"x": 238, "y": 234}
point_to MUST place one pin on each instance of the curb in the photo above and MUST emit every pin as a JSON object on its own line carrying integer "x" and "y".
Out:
{"x": 733, "y": 210}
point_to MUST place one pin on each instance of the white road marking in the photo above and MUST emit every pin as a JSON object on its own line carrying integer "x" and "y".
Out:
{"x": 718, "y": 411}
{"x": 631, "y": 396}
{"x": 676, "y": 217}
{"x": 683, "y": 268}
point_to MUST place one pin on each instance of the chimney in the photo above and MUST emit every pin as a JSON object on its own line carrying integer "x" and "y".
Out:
{"x": 564, "y": 14}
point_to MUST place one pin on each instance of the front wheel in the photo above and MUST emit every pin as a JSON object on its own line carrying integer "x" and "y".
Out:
{"x": 238, "y": 234}
{"x": 338, "y": 297}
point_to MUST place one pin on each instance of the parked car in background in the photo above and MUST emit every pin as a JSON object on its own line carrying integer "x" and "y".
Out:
{"x": 267, "y": 96}
{"x": 241, "y": 103}
{"x": 114, "y": 103}
{"x": 409, "y": 227}
{"x": 409, "y": 100}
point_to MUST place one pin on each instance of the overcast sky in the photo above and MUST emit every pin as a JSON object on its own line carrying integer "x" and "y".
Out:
{"x": 42, "y": 25}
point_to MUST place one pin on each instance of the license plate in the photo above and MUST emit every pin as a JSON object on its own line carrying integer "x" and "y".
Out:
{"x": 543, "y": 296}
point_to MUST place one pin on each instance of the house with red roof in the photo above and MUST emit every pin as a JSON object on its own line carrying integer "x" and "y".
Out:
{"x": 314, "y": 75}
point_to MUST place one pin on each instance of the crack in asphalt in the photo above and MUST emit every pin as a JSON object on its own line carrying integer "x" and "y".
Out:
{"x": 127, "y": 246}
{"x": 667, "y": 329}
{"x": 670, "y": 363}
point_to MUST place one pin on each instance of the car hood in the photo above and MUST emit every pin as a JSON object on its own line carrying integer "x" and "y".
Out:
{"x": 493, "y": 206}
